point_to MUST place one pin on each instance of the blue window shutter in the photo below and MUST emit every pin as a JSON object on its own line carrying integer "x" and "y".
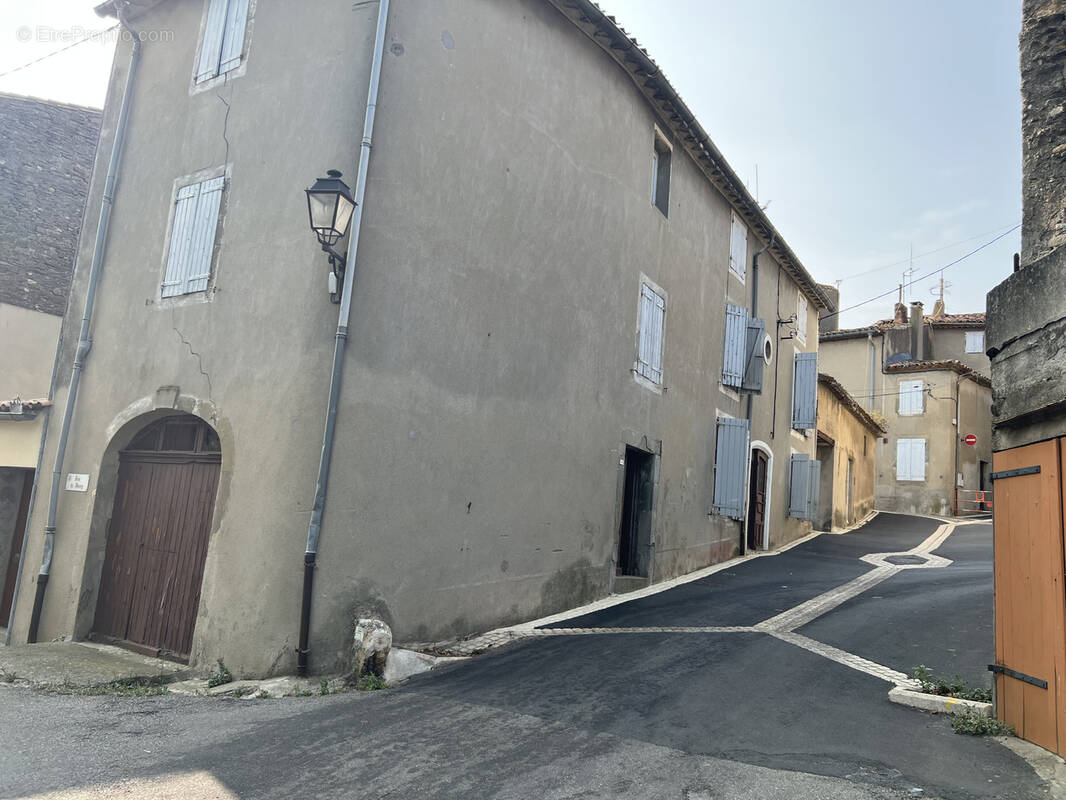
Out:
{"x": 735, "y": 341}
{"x": 181, "y": 233}
{"x": 203, "y": 235}
{"x": 814, "y": 489}
{"x": 756, "y": 332}
{"x": 799, "y": 481}
{"x": 650, "y": 343}
{"x": 233, "y": 38}
{"x": 211, "y": 46}
{"x": 805, "y": 391}
{"x": 730, "y": 467}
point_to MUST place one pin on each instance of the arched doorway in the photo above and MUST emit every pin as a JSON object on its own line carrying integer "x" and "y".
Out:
{"x": 157, "y": 538}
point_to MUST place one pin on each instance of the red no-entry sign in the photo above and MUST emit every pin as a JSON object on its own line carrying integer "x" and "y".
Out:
{"x": 969, "y": 439}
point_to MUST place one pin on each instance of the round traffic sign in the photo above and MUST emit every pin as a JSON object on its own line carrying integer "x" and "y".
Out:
{"x": 969, "y": 439}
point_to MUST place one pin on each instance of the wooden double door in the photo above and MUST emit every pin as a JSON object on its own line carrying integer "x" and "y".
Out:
{"x": 157, "y": 538}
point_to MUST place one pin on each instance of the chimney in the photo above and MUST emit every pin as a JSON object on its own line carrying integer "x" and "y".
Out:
{"x": 830, "y": 323}
{"x": 917, "y": 332}
{"x": 901, "y": 313}
{"x": 938, "y": 308}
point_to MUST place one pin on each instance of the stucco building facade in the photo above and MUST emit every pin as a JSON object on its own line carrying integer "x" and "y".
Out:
{"x": 46, "y": 156}
{"x": 555, "y": 384}
{"x": 925, "y": 379}
{"x": 847, "y": 449}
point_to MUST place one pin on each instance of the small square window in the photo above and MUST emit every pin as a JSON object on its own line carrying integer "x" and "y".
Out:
{"x": 975, "y": 341}
{"x": 660, "y": 175}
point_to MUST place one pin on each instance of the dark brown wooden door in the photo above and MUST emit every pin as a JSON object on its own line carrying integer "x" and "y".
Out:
{"x": 157, "y": 541}
{"x": 11, "y": 573}
{"x": 757, "y": 499}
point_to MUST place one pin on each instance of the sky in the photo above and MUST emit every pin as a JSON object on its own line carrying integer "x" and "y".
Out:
{"x": 869, "y": 130}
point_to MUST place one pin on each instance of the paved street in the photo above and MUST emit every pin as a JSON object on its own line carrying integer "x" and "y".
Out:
{"x": 792, "y": 708}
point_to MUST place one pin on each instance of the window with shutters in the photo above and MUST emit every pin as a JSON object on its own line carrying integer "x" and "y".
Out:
{"x": 910, "y": 459}
{"x": 911, "y": 394}
{"x": 804, "y": 391}
{"x": 738, "y": 246}
{"x": 975, "y": 341}
{"x": 192, "y": 237}
{"x": 805, "y": 479}
{"x": 801, "y": 318}
{"x": 730, "y": 466}
{"x": 660, "y": 175}
{"x": 223, "y": 42}
{"x": 650, "y": 336}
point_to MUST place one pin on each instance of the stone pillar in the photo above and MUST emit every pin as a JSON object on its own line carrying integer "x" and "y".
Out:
{"x": 1042, "y": 47}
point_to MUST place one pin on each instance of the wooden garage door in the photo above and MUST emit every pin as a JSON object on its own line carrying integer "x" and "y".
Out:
{"x": 1030, "y": 596}
{"x": 157, "y": 541}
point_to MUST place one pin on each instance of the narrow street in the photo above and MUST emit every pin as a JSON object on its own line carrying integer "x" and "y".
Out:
{"x": 766, "y": 679}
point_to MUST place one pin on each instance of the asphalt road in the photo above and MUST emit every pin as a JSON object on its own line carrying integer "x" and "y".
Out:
{"x": 644, "y": 715}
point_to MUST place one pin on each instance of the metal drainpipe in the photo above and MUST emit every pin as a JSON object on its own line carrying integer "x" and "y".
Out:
{"x": 33, "y": 491}
{"x": 747, "y": 412}
{"x": 873, "y": 365}
{"x": 314, "y": 528}
{"x": 84, "y": 342}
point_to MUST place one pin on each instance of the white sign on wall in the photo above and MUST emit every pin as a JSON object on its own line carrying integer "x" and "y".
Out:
{"x": 77, "y": 482}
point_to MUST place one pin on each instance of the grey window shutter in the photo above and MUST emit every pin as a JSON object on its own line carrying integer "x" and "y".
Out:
{"x": 203, "y": 235}
{"x": 799, "y": 480}
{"x": 805, "y": 391}
{"x": 233, "y": 38}
{"x": 813, "y": 489}
{"x": 730, "y": 466}
{"x": 181, "y": 234}
{"x": 735, "y": 340}
{"x": 650, "y": 345}
{"x": 756, "y": 332}
{"x": 211, "y": 46}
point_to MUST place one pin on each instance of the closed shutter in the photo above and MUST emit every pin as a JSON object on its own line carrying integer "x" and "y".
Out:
{"x": 192, "y": 238}
{"x": 805, "y": 391}
{"x": 799, "y": 481}
{"x": 910, "y": 459}
{"x": 233, "y": 39}
{"x": 756, "y": 332}
{"x": 738, "y": 246}
{"x": 911, "y": 396}
{"x": 814, "y": 485}
{"x": 650, "y": 345}
{"x": 735, "y": 342}
{"x": 211, "y": 46}
{"x": 730, "y": 465}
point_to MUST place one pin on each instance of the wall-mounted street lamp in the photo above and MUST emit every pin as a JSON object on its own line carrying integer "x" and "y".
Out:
{"x": 330, "y": 206}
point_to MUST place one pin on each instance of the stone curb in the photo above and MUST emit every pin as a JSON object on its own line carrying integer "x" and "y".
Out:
{"x": 937, "y": 704}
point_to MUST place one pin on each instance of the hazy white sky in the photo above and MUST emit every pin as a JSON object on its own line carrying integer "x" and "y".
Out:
{"x": 875, "y": 126}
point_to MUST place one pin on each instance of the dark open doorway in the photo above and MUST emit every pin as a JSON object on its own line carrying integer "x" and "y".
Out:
{"x": 757, "y": 499}
{"x": 634, "y": 532}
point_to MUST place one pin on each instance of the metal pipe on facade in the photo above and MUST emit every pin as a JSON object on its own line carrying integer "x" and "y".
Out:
{"x": 873, "y": 365}
{"x": 84, "y": 342}
{"x": 314, "y": 528}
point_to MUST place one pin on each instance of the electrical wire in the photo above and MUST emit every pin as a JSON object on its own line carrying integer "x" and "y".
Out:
{"x": 923, "y": 277}
{"x": 91, "y": 37}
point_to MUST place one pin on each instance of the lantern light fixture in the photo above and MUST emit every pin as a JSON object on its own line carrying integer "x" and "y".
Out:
{"x": 329, "y": 208}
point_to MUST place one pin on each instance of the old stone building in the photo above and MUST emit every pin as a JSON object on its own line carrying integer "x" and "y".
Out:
{"x": 925, "y": 379}
{"x": 1027, "y": 346}
{"x": 46, "y": 156}
{"x": 564, "y": 373}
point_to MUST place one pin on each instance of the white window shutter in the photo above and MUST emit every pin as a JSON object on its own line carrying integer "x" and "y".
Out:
{"x": 911, "y": 394}
{"x": 650, "y": 342}
{"x": 735, "y": 339}
{"x": 181, "y": 234}
{"x": 203, "y": 235}
{"x": 917, "y": 459}
{"x": 211, "y": 46}
{"x": 730, "y": 466}
{"x": 738, "y": 245}
{"x": 233, "y": 38}
{"x": 903, "y": 460}
{"x": 975, "y": 341}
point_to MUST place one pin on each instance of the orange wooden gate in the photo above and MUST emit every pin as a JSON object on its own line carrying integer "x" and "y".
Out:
{"x": 1030, "y": 606}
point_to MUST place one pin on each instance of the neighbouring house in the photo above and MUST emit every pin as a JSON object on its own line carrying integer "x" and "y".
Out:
{"x": 46, "y": 157}
{"x": 847, "y": 449}
{"x": 580, "y": 358}
{"x": 1027, "y": 346}
{"x": 925, "y": 380}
